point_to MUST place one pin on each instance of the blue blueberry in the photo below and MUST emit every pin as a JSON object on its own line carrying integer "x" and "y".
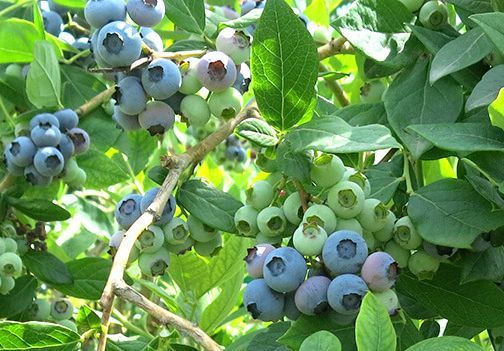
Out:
{"x": 21, "y": 151}
{"x": 82, "y": 43}
{"x": 255, "y": 259}
{"x": 344, "y": 252}
{"x": 100, "y": 61}
{"x": 263, "y": 303}
{"x": 44, "y": 119}
{"x": 45, "y": 135}
{"x": 146, "y": 13}
{"x": 151, "y": 39}
{"x": 130, "y": 96}
{"x": 243, "y": 79}
{"x": 380, "y": 271}
{"x": 175, "y": 102}
{"x": 56, "y": 7}
{"x": 67, "y": 119}
{"x": 124, "y": 121}
{"x": 232, "y": 140}
{"x": 48, "y": 161}
{"x": 53, "y": 22}
{"x": 80, "y": 139}
{"x": 11, "y": 167}
{"x": 100, "y": 12}
{"x": 232, "y": 152}
{"x": 33, "y": 177}
{"x": 284, "y": 269}
{"x": 290, "y": 309}
{"x": 157, "y": 118}
{"x": 119, "y": 44}
{"x": 127, "y": 210}
{"x": 345, "y": 293}
{"x": 169, "y": 210}
{"x": 161, "y": 79}
{"x": 311, "y": 296}
{"x": 66, "y": 147}
{"x": 216, "y": 71}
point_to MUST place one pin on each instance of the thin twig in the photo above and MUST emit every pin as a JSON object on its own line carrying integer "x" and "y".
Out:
{"x": 334, "y": 47}
{"x": 95, "y": 102}
{"x": 336, "y": 89}
{"x": 303, "y": 195}
{"x": 388, "y": 156}
{"x": 115, "y": 283}
{"x": 7, "y": 181}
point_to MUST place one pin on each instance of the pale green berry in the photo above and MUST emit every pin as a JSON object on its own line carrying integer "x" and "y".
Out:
{"x": 423, "y": 265}
{"x": 151, "y": 239}
{"x": 327, "y": 170}
{"x": 195, "y": 109}
{"x": 271, "y": 221}
{"x": 309, "y": 239}
{"x": 293, "y": 209}
{"x": 226, "y": 104}
{"x": 200, "y": 231}
{"x": 260, "y": 195}
{"x": 387, "y": 232}
{"x": 245, "y": 220}
{"x": 373, "y": 216}
{"x": 346, "y": 199}
{"x": 349, "y": 224}
{"x": 398, "y": 253}
{"x": 176, "y": 231}
{"x": 406, "y": 235}
{"x": 323, "y": 216}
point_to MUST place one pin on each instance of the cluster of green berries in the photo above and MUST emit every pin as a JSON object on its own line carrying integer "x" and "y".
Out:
{"x": 11, "y": 265}
{"x": 59, "y": 311}
{"x": 44, "y": 151}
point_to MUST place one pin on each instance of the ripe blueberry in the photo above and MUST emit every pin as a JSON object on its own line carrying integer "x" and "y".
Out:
{"x": 146, "y": 13}
{"x": 45, "y": 135}
{"x": 130, "y": 96}
{"x": 33, "y": 177}
{"x": 290, "y": 310}
{"x": 151, "y": 39}
{"x": 21, "y": 151}
{"x": 161, "y": 79}
{"x": 311, "y": 296}
{"x": 124, "y": 121}
{"x": 168, "y": 211}
{"x": 216, "y": 71}
{"x": 345, "y": 293}
{"x": 379, "y": 271}
{"x": 48, "y": 161}
{"x": 127, "y": 210}
{"x": 344, "y": 252}
{"x": 119, "y": 44}
{"x": 53, "y": 22}
{"x": 284, "y": 269}
{"x": 157, "y": 118}
{"x": 262, "y": 302}
{"x": 80, "y": 139}
{"x": 67, "y": 119}
{"x": 255, "y": 259}
{"x": 100, "y": 12}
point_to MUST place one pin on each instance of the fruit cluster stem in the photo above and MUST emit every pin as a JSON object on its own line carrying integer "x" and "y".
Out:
{"x": 335, "y": 47}
{"x": 95, "y": 102}
{"x": 116, "y": 285}
{"x": 336, "y": 89}
{"x": 6, "y": 182}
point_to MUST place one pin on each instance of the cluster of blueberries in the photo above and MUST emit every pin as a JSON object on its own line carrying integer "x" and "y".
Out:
{"x": 334, "y": 235}
{"x": 167, "y": 234}
{"x": 59, "y": 311}
{"x": 46, "y": 151}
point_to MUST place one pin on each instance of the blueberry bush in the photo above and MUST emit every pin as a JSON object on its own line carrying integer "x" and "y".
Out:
{"x": 252, "y": 175}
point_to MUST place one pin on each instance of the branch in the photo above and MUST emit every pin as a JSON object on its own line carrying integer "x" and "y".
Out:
{"x": 95, "y": 102}
{"x": 7, "y": 181}
{"x": 334, "y": 47}
{"x": 176, "y": 164}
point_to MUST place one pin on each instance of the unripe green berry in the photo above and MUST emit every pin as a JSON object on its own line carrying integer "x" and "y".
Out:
{"x": 327, "y": 170}
{"x": 346, "y": 199}
{"x": 68, "y": 324}
{"x": 200, "y": 231}
{"x": 373, "y": 216}
{"x": 406, "y": 235}
{"x": 245, "y": 220}
{"x": 61, "y": 309}
{"x": 176, "y": 231}
{"x": 2, "y": 246}
{"x": 10, "y": 264}
{"x": 260, "y": 195}
{"x": 349, "y": 224}
{"x": 151, "y": 239}
{"x": 412, "y": 5}
{"x": 372, "y": 92}
{"x": 389, "y": 299}
{"x": 387, "y": 232}
{"x": 293, "y": 209}
{"x": 399, "y": 254}
{"x": 423, "y": 265}
{"x": 180, "y": 249}
{"x": 195, "y": 109}
{"x": 271, "y": 221}
{"x": 433, "y": 14}
{"x": 40, "y": 310}
{"x": 371, "y": 241}
{"x": 10, "y": 245}
{"x": 309, "y": 239}
{"x": 190, "y": 81}
{"x": 226, "y": 104}
{"x": 155, "y": 263}
{"x": 321, "y": 215}
{"x": 209, "y": 248}
{"x": 266, "y": 239}
{"x": 358, "y": 178}
{"x": 6, "y": 285}
{"x": 7, "y": 229}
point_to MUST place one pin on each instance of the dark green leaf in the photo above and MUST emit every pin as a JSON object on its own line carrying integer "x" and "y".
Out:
{"x": 87, "y": 319}
{"x": 79, "y": 86}
{"x": 101, "y": 171}
{"x": 187, "y": 14}
{"x": 446, "y": 343}
{"x": 19, "y": 298}
{"x": 47, "y": 267}
{"x": 321, "y": 341}
{"x": 473, "y": 6}
{"x": 89, "y": 277}
{"x": 486, "y": 189}
{"x": 258, "y": 132}
{"x": 487, "y": 90}
{"x": 384, "y": 179}
{"x": 250, "y": 18}
{"x": 370, "y": 26}
{"x": 17, "y": 40}
{"x": 101, "y": 129}
{"x": 475, "y": 304}
{"x": 139, "y": 147}
{"x": 410, "y": 99}
{"x": 82, "y": 241}
{"x": 211, "y": 205}
{"x": 451, "y": 213}
{"x": 462, "y": 330}
{"x": 36, "y": 336}
{"x": 493, "y": 26}
{"x": 13, "y": 89}
{"x": 267, "y": 340}
{"x": 462, "y": 137}
{"x": 186, "y": 45}
{"x": 363, "y": 114}
{"x": 293, "y": 163}
{"x": 460, "y": 53}
{"x": 333, "y": 135}
{"x": 43, "y": 84}
{"x": 486, "y": 265}
{"x": 39, "y": 209}
{"x": 284, "y": 66}
{"x": 157, "y": 174}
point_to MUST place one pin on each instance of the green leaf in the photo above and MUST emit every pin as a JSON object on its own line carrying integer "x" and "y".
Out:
{"x": 446, "y": 343}
{"x": 410, "y": 99}
{"x": 295, "y": 164}
{"x": 267, "y": 340}
{"x": 333, "y": 135}
{"x": 138, "y": 146}
{"x": 460, "y": 53}
{"x": 250, "y": 18}
{"x": 47, "y": 267}
{"x": 487, "y": 90}
{"x": 101, "y": 171}
{"x": 76, "y": 4}
{"x": 321, "y": 341}
{"x": 305, "y": 326}
{"x": 373, "y": 328}
{"x": 486, "y": 265}
{"x": 473, "y": 6}
{"x": 451, "y": 213}
{"x": 362, "y": 114}
{"x": 496, "y": 110}
{"x": 475, "y": 304}
{"x": 79, "y": 86}
{"x": 371, "y": 28}
{"x": 101, "y": 129}
{"x": 39, "y": 209}
{"x": 198, "y": 275}
{"x": 223, "y": 304}
{"x": 157, "y": 174}
{"x": 87, "y": 319}
{"x": 258, "y": 132}
{"x": 486, "y": 189}
{"x": 210, "y": 205}
{"x": 186, "y": 45}
{"x": 89, "y": 277}
{"x": 17, "y": 40}
{"x": 43, "y": 84}
{"x": 462, "y": 137}
{"x": 187, "y": 14}
{"x": 284, "y": 66}
{"x": 83, "y": 240}
{"x": 19, "y": 298}
{"x": 493, "y": 26}
{"x": 13, "y": 89}
{"x": 36, "y": 336}
{"x": 385, "y": 179}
